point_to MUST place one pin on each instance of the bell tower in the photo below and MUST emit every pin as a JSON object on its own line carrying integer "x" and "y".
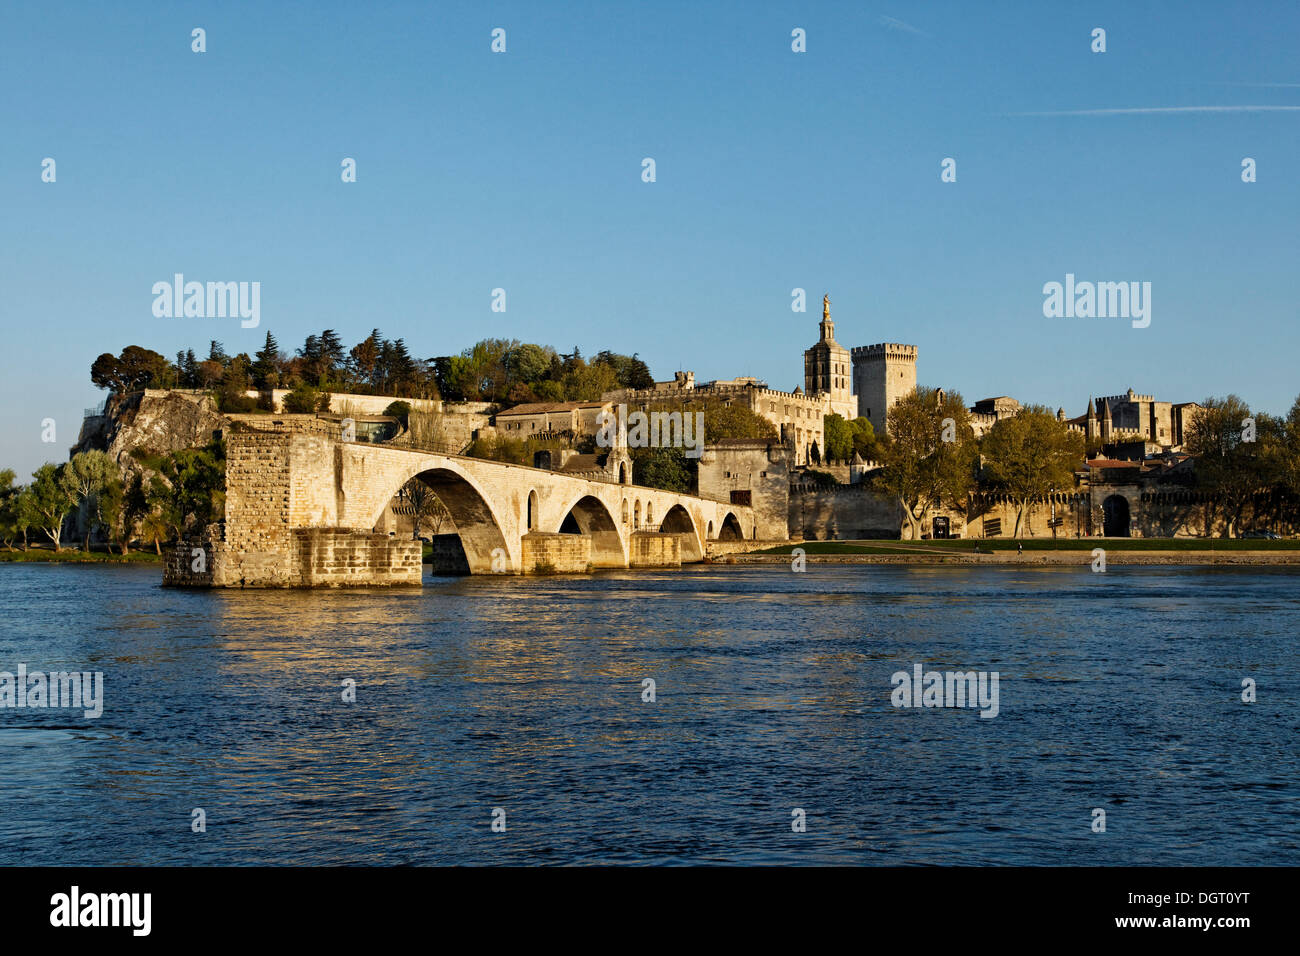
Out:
{"x": 827, "y": 370}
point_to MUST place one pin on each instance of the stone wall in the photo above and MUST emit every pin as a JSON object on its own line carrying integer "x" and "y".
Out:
{"x": 340, "y": 557}
{"x": 556, "y": 553}
{"x": 842, "y": 512}
{"x": 182, "y": 569}
{"x": 651, "y": 549}
{"x": 457, "y": 421}
{"x": 316, "y": 557}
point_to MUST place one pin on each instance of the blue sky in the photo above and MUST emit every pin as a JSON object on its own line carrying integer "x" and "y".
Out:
{"x": 775, "y": 170}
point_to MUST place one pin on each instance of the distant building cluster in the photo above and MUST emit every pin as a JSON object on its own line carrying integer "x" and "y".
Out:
{"x": 864, "y": 381}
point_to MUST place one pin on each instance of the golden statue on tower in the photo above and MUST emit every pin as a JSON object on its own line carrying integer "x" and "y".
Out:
{"x": 826, "y": 307}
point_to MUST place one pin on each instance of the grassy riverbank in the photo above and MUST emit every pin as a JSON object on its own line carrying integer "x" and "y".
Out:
{"x": 1000, "y": 545}
{"x": 73, "y": 556}
{"x": 1062, "y": 551}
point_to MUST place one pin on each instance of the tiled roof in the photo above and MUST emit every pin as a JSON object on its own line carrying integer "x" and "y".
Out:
{"x": 541, "y": 408}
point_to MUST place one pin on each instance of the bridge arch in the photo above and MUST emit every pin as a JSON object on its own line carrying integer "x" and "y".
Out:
{"x": 589, "y": 515}
{"x": 476, "y": 524}
{"x": 679, "y": 521}
{"x": 731, "y": 530}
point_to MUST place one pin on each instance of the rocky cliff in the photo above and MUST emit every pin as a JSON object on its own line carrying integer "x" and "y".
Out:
{"x": 149, "y": 423}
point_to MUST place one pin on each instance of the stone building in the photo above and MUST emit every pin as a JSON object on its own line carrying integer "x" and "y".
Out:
{"x": 1135, "y": 418}
{"x": 882, "y": 374}
{"x": 798, "y": 418}
{"x": 849, "y": 383}
{"x": 987, "y": 412}
{"x": 752, "y": 472}
{"x": 827, "y": 372}
{"x": 551, "y": 418}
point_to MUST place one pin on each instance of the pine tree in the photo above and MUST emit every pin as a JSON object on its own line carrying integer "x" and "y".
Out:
{"x": 190, "y": 369}
{"x": 266, "y": 370}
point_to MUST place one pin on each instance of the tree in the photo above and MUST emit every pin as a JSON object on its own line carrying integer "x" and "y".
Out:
{"x": 189, "y": 367}
{"x": 364, "y": 359}
{"x": 135, "y": 369}
{"x": 49, "y": 501}
{"x": 110, "y": 512}
{"x": 25, "y": 514}
{"x": 233, "y": 396}
{"x": 399, "y": 410}
{"x": 665, "y": 468}
{"x": 303, "y": 400}
{"x": 11, "y": 511}
{"x": 427, "y": 509}
{"x": 527, "y": 363}
{"x": 734, "y": 421}
{"x": 266, "y": 367}
{"x": 1288, "y": 460}
{"x": 864, "y": 439}
{"x": 1238, "y": 456}
{"x": 135, "y": 507}
{"x": 629, "y": 371}
{"x": 85, "y": 477}
{"x": 1028, "y": 455}
{"x": 839, "y": 438}
{"x": 155, "y": 528}
{"x": 922, "y": 467}
{"x": 191, "y": 491}
{"x": 587, "y": 383}
{"x": 333, "y": 355}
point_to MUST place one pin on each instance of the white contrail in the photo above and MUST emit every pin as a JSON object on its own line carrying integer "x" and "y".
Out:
{"x": 1164, "y": 109}
{"x": 895, "y": 24}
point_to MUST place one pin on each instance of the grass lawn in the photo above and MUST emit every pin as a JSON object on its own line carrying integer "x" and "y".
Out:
{"x": 842, "y": 547}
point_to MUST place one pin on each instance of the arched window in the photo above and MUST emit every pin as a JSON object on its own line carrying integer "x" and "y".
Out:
{"x": 636, "y": 516}
{"x": 532, "y": 511}
{"x": 625, "y": 511}
{"x": 649, "y": 513}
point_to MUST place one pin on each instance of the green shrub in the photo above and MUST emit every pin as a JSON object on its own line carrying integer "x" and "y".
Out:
{"x": 303, "y": 400}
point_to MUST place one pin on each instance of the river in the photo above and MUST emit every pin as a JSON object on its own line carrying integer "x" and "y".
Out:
{"x": 1119, "y": 691}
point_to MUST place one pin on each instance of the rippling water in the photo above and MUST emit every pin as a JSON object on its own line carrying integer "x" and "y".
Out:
{"x": 1120, "y": 691}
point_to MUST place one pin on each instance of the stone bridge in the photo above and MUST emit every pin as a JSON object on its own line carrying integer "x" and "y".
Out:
{"x": 302, "y": 507}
